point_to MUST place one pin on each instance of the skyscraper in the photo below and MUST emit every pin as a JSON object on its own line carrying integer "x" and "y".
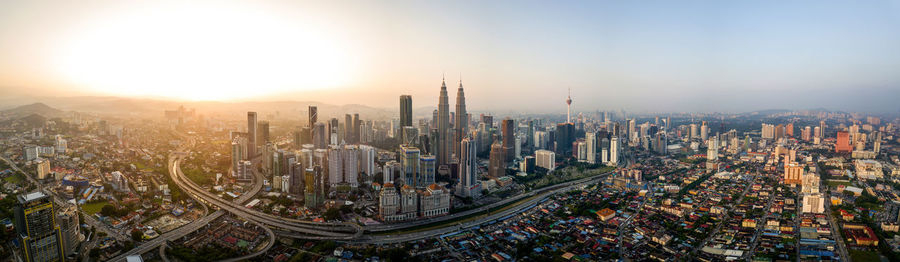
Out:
{"x": 509, "y": 138}
{"x": 405, "y": 112}
{"x": 842, "y": 144}
{"x": 590, "y": 138}
{"x": 443, "y": 126}
{"x": 427, "y": 170}
{"x": 320, "y": 136}
{"x": 461, "y": 126}
{"x": 251, "y": 135}
{"x": 497, "y": 165}
{"x": 355, "y": 129}
{"x": 348, "y": 129}
{"x": 263, "y": 133}
{"x": 36, "y": 228}
{"x": 313, "y": 116}
{"x": 569, "y": 107}
{"x": 468, "y": 168}
{"x": 409, "y": 162}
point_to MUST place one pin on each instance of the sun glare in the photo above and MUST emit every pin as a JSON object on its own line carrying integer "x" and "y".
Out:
{"x": 203, "y": 52}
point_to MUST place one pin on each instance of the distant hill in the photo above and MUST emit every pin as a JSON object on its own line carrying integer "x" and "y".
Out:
{"x": 124, "y": 106}
{"x": 40, "y": 109}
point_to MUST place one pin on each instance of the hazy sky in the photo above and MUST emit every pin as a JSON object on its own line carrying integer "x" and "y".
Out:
{"x": 513, "y": 55}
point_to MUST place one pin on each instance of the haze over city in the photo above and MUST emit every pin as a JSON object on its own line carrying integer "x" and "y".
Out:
{"x": 506, "y": 131}
{"x": 513, "y": 55}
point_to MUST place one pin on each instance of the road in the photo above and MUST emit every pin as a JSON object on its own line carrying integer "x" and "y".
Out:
{"x": 835, "y": 231}
{"x": 565, "y": 187}
{"x": 723, "y": 218}
{"x": 186, "y": 229}
{"x": 627, "y": 222}
{"x": 760, "y": 226}
{"x": 306, "y": 229}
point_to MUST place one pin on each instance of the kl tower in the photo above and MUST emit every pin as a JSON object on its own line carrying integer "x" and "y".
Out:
{"x": 569, "y": 107}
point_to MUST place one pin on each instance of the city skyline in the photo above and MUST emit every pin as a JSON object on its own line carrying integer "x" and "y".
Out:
{"x": 636, "y": 57}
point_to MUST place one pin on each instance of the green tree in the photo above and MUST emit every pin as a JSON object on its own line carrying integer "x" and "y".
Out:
{"x": 137, "y": 235}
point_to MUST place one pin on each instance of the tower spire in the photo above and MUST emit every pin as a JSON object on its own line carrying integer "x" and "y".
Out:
{"x": 569, "y": 107}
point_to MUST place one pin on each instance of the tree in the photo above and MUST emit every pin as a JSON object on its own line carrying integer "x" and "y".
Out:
{"x": 108, "y": 210}
{"x": 137, "y": 235}
{"x": 331, "y": 214}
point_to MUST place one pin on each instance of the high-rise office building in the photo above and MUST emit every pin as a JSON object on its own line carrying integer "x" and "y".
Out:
{"x": 69, "y": 228}
{"x": 314, "y": 193}
{"x": 355, "y": 129}
{"x": 409, "y": 162}
{"x": 497, "y": 161}
{"x": 508, "y": 129}
{"x": 39, "y": 235}
{"x": 405, "y": 112}
{"x": 427, "y": 170}
{"x": 320, "y": 136}
{"x": 565, "y": 135}
{"x": 348, "y": 129}
{"x": 251, "y": 135}
{"x": 263, "y": 129}
{"x": 488, "y": 120}
{"x": 443, "y": 126}
{"x": 313, "y": 116}
{"x": 461, "y": 123}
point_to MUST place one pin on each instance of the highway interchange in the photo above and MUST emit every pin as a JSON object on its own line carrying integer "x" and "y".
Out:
{"x": 338, "y": 231}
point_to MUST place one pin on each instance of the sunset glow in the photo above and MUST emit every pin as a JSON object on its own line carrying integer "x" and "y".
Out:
{"x": 202, "y": 52}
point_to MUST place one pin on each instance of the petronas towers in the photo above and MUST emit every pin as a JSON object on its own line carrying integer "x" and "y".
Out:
{"x": 449, "y": 141}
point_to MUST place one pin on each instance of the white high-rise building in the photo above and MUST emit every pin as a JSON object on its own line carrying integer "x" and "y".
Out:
{"x": 813, "y": 203}
{"x": 30, "y": 153}
{"x": 286, "y": 183}
{"x": 604, "y": 156}
{"x": 590, "y": 138}
{"x": 810, "y": 183}
{"x": 614, "y": 151}
{"x": 335, "y": 166}
{"x": 351, "y": 165}
{"x": 545, "y": 159}
{"x": 712, "y": 152}
{"x": 367, "y": 160}
{"x": 61, "y": 145}
{"x": 468, "y": 185}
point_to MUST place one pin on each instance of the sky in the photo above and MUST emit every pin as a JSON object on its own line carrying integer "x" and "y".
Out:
{"x": 650, "y": 56}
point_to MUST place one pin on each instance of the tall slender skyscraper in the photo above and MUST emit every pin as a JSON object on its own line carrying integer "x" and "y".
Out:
{"x": 569, "y": 107}
{"x": 311, "y": 122}
{"x": 443, "y": 147}
{"x": 405, "y": 112}
{"x": 355, "y": 129}
{"x": 348, "y": 129}
{"x": 508, "y": 127}
{"x": 251, "y": 133}
{"x": 467, "y": 173}
{"x": 313, "y": 116}
{"x": 461, "y": 127}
